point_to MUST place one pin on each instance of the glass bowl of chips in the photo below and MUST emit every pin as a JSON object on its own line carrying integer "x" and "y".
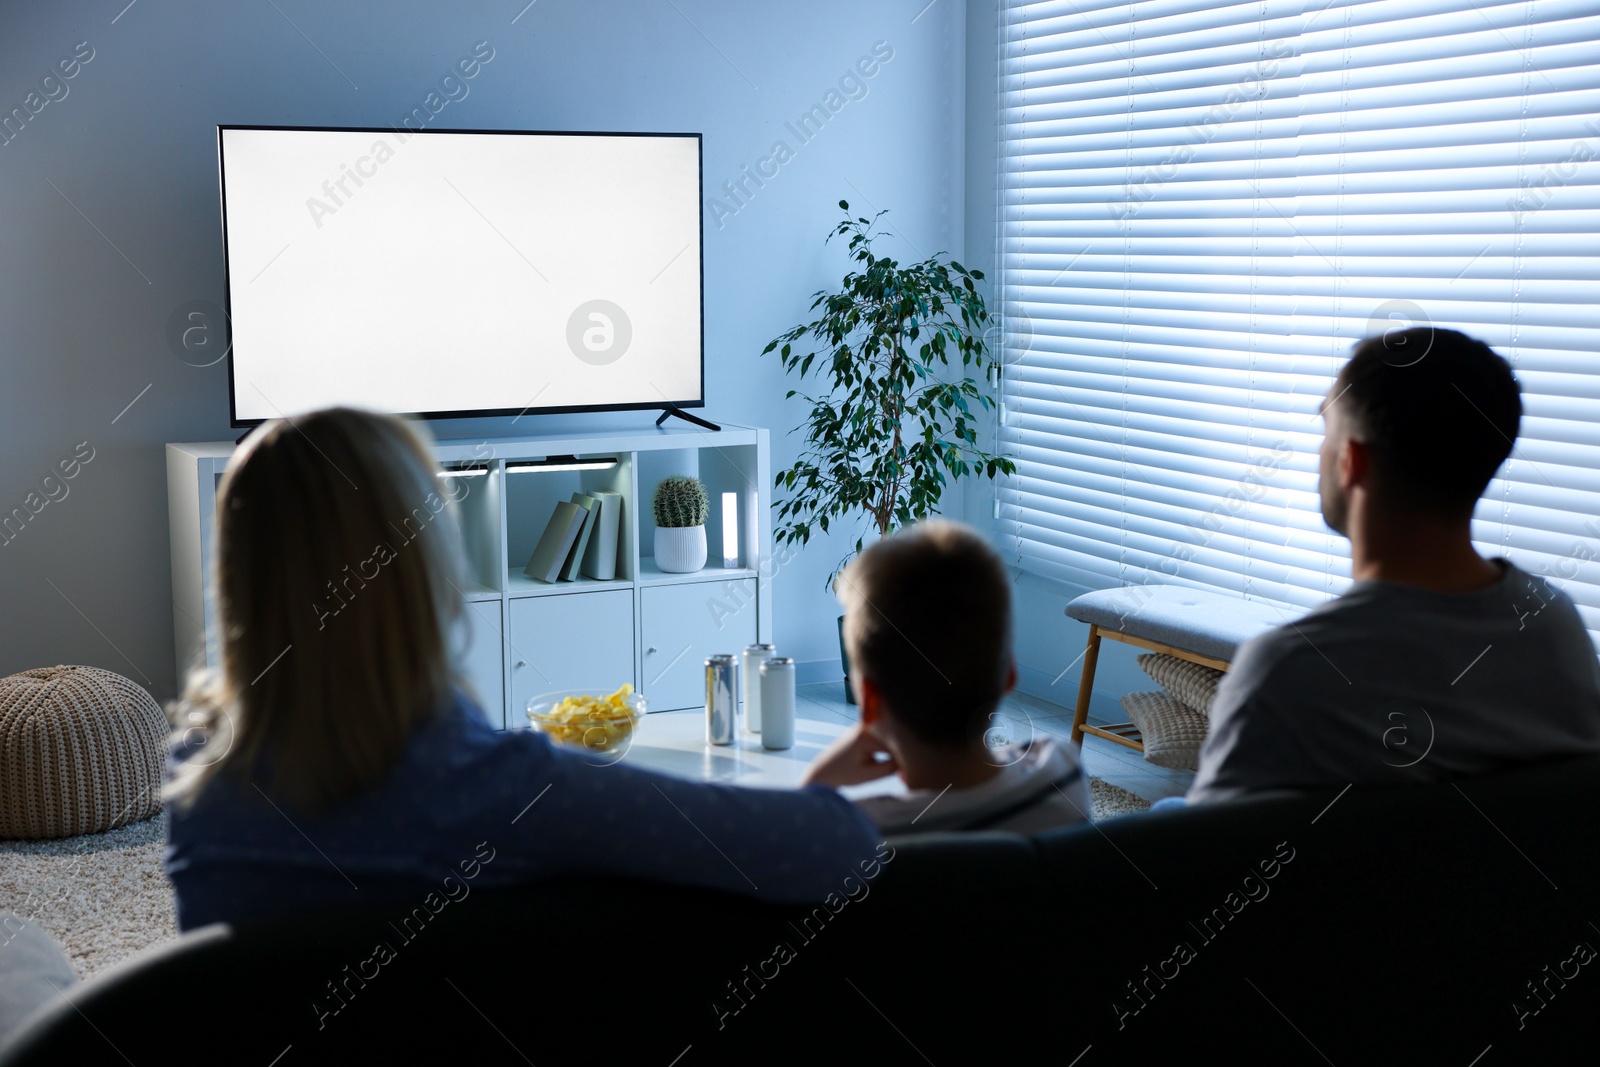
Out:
{"x": 601, "y": 724}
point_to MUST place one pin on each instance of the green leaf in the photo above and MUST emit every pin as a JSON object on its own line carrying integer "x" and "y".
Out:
{"x": 876, "y": 446}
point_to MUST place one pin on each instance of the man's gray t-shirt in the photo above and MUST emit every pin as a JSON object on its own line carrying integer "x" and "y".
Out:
{"x": 1392, "y": 684}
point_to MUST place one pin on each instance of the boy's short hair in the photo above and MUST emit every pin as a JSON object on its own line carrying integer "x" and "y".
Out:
{"x": 928, "y": 619}
{"x": 1439, "y": 411}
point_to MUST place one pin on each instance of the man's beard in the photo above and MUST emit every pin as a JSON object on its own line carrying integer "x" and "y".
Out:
{"x": 1335, "y": 509}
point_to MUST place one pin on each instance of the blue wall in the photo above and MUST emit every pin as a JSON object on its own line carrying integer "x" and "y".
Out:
{"x": 109, "y": 195}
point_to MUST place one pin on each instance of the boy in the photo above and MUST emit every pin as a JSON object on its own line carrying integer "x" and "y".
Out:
{"x": 928, "y": 630}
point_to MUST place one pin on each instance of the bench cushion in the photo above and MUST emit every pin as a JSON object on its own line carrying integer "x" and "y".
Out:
{"x": 1208, "y": 624}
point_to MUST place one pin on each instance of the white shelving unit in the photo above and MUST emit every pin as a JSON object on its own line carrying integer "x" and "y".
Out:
{"x": 521, "y": 637}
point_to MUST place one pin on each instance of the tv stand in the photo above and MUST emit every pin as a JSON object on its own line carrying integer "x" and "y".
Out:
{"x": 518, "y": 637}
{"x": 686, "y": 417}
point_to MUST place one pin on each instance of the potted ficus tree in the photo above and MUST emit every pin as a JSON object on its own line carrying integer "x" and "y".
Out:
{"x": 680, "y": 505}
{"x": 895, "y": 421}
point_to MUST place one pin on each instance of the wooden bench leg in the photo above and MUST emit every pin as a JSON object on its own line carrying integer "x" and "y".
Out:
{"x": 1091, "y": 655}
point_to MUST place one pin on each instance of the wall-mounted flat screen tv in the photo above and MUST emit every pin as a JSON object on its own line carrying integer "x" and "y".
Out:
{"x": 461, "y": 272}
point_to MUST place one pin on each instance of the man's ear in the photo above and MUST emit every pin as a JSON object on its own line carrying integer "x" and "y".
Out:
{"x": 868, "y": 698}
{"x": 1355, "y": 464}
{"x": 1011, "y": 676}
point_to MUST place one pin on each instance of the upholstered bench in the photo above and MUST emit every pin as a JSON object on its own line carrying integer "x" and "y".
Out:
{"x": 1200, "y": 627}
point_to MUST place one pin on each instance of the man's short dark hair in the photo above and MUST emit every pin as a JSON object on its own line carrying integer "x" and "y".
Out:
{"x": 1438, "y": 411}
{"x": 928, "y": 619}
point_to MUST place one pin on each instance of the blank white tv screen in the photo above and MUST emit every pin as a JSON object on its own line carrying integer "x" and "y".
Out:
{"x": 459, "y": 273}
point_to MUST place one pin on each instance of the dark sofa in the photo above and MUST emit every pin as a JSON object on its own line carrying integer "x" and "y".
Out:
{"x": 1451, "y": 924}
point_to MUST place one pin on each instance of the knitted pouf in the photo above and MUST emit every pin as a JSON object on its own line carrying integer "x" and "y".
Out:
{"x": 81, "y": 751}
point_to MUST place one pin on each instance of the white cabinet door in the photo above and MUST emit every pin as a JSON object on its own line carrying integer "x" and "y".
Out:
{"x": 570, "y": 641}
{"x": 478, "y": 644}
{"x": 681, "y": 626}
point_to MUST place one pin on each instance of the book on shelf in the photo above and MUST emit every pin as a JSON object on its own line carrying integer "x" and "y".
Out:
{"x": 559, "y": 535}
{"x": 600, "y": 556}
{"x": 569, "y": 569}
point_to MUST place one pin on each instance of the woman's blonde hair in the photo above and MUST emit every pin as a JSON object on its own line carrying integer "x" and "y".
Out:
{"x": 336, "y": 586}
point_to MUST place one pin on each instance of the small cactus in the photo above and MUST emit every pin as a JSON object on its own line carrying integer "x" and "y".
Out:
{"x": 681, "y": 501}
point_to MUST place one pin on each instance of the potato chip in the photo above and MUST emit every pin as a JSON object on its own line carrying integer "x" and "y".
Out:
{"x": 593, "y": 721}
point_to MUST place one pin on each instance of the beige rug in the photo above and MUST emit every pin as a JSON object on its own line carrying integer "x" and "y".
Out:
{"x": 105, "y": 898}
{"x": 1110, "y": 800}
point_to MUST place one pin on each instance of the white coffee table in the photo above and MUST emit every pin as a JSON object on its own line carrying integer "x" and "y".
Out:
{"x": 674, "y": 742}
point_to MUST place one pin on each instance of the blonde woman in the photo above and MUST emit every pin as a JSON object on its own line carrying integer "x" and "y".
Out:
{"x": 334, "y": 760}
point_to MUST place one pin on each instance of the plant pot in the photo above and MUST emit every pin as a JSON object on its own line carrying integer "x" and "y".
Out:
{"x": 844, "y": 658}
{"x": 680, "y": 549}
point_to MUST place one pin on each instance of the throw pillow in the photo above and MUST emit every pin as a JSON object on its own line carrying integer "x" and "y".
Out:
{"x": 1191, "y": 683}
{"x": 1173, "y": 731}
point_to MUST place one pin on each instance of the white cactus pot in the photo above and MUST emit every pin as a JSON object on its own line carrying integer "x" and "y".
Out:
{"x": 680, "y": 549}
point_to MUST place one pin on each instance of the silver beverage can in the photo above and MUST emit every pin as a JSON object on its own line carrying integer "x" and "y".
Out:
{"x": 750, "y": 683}
{"x": 777, "y": 703}
{"x": 722, "y": 708}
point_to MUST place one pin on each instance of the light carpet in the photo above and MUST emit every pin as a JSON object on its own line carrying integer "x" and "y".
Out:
{"x": 103, "y": 897}
{"x": 1109, "y": 801}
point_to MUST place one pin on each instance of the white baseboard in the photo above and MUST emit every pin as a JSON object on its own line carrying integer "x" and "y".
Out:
{"x": 808, "y": 671}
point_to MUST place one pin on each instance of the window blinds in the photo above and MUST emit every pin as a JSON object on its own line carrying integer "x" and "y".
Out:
{"x": 1204, "y": 205}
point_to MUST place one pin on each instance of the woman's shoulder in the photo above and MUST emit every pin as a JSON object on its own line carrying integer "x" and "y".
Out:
{"x": 464, "y": 713}
{"x": 455, "y": 743}
{"x": 462, "y": 728}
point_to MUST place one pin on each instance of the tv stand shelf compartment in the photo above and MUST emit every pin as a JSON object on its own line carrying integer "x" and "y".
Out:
{"x": 519, "y": 584}
{"x": 520, "y": 637}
